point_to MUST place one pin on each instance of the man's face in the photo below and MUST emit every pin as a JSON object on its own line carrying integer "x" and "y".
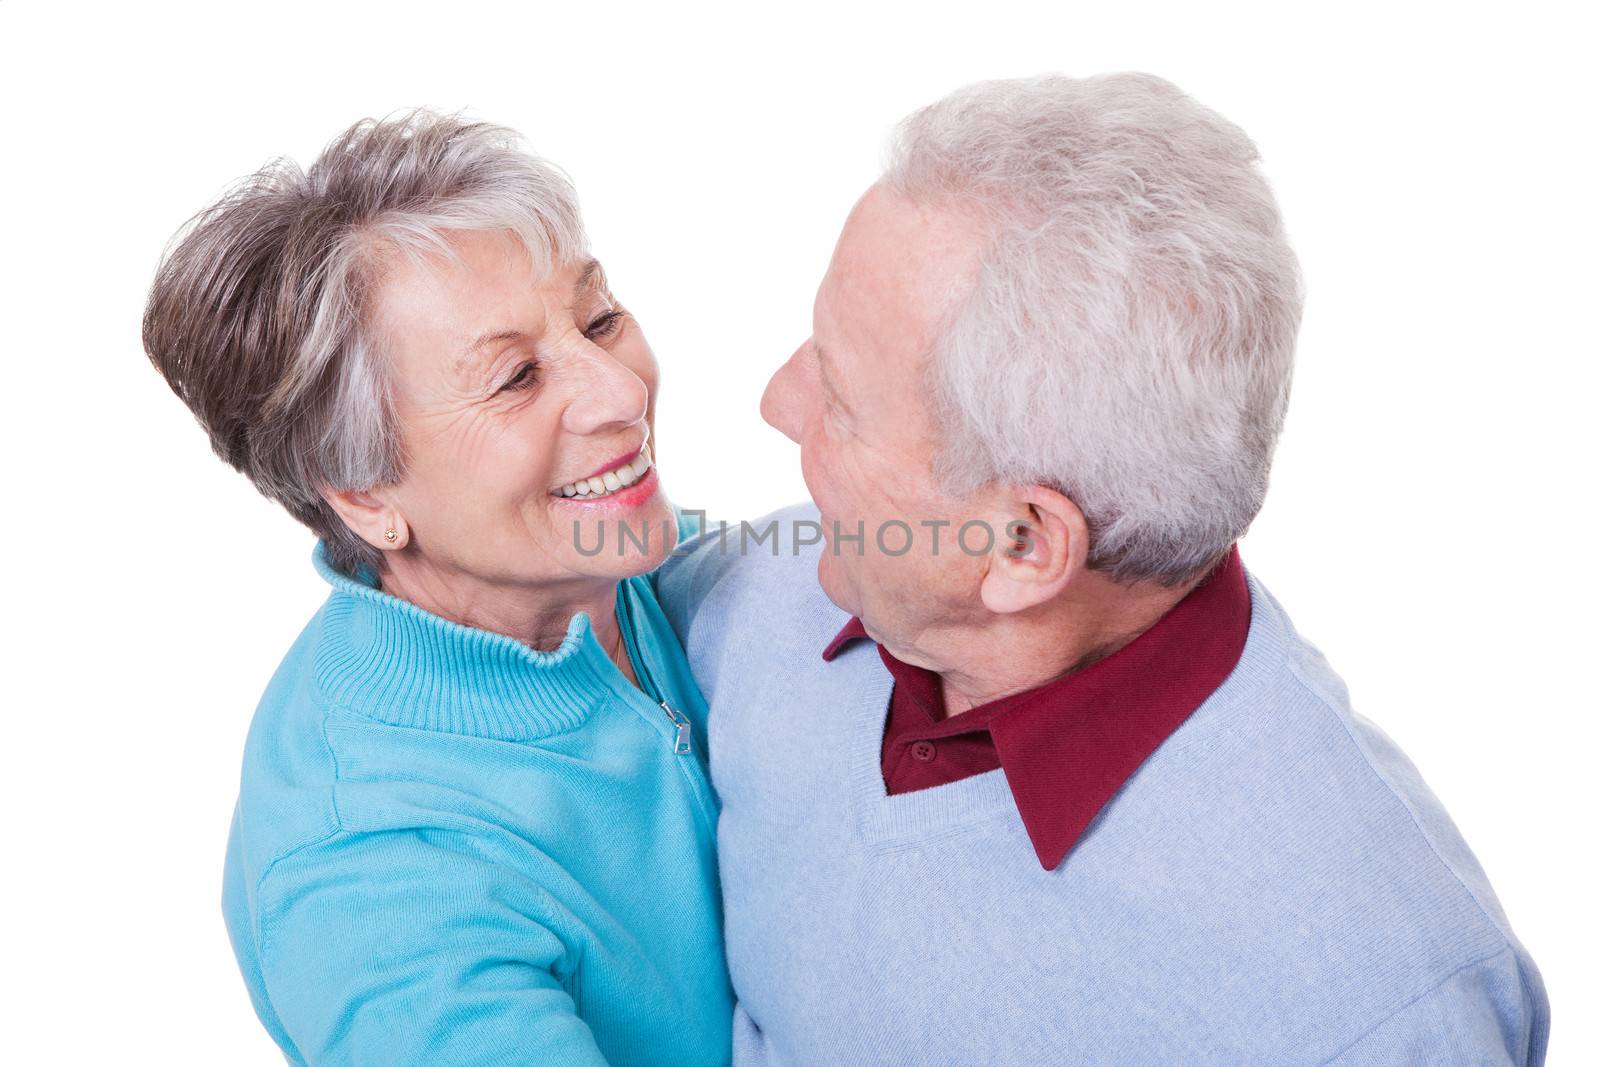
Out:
{"x": 853, "y": 396}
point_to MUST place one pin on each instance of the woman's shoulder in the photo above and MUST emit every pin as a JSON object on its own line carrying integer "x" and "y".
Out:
{"x": 287, "y": 771}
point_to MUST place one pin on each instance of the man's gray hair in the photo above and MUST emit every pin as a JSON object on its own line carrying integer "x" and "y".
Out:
{"x": 1130, "y": 337}
{"x": 260, "y": 316}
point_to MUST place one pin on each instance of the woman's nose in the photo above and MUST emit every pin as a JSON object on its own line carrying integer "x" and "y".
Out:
{"x": 607, "y": 394}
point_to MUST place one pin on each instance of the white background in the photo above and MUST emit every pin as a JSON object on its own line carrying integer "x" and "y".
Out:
{"x": 1430, "y": 524}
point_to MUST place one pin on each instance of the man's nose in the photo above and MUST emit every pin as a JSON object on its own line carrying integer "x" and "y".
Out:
{"x": 780, "y": 402}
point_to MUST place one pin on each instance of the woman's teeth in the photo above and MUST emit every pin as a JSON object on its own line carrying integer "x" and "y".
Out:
{"x": 610, "y": 481}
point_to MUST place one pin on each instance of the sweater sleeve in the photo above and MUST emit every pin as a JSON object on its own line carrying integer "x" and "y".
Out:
{"x": 414, "y": 947}
{"x": 1478, "y": 1016}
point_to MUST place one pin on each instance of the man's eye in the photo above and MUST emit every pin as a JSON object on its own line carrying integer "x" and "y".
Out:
{"x": 527, "y": 375}
{"x": 604, "y": 326}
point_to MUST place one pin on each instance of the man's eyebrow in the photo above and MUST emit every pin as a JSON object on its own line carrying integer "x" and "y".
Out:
{"x": 830, "y": 381}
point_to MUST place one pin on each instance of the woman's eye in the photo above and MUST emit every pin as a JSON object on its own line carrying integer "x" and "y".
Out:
{"x": 604, "y": 326}
{"x": 527, "y": 374}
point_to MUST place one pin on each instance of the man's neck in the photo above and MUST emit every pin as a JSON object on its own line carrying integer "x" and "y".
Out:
{"x": 982, "y": 659}
{"x": 537, "y": 616}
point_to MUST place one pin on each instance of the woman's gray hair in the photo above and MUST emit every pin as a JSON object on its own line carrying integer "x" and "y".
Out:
{"x": 1130, "y": 337}
{"x": 260, "y": 314}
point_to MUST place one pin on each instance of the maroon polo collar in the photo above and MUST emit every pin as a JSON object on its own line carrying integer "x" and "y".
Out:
{"x": 1069, "y": 745}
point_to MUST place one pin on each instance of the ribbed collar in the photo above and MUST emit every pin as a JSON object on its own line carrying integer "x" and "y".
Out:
{"x": 389, "y": 660}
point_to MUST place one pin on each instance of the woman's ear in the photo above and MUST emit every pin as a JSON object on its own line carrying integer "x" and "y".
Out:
{"x": 375, "y": 520}
{"x": 1043, "y": 549}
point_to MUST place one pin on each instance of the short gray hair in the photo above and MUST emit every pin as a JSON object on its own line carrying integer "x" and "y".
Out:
{"x": 260, "y": 313}
{"x": 1130, "y": 337}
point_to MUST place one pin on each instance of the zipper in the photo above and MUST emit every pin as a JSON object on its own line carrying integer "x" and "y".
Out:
{"x": 682, "y": 743}
{"x": 682, "y": 746}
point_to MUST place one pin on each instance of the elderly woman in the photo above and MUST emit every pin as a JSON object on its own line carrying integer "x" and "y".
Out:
{"x": 473, "y": 824}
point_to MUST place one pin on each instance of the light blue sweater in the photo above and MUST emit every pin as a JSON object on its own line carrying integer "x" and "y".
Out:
{"x": 1276, "y": 885}
{"x": 450, "y": 849}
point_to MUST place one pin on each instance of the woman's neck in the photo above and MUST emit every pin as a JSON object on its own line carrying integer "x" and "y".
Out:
{"x": 537, "y": 616}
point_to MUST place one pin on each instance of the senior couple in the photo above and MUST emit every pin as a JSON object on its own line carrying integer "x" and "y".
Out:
{"x": 994, "y": 754}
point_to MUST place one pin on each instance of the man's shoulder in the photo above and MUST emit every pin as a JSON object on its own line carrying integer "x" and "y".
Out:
{"x": 733, "y": 562}
{"x": 1309, "y": 811}
{"x": 749, "y": 584}
{"x": 1318, "y": 727}
{"x": 784, "y": 533}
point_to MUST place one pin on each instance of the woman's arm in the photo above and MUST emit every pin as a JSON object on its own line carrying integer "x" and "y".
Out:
{"x": 413, "y": 947}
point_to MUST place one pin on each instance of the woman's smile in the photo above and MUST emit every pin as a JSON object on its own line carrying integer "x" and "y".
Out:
{"x": 635, "y": 495}
{"x": 634, "y": 471}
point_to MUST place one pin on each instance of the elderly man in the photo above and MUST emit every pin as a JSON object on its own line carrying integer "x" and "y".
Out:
{"x": 1018, "y": 764}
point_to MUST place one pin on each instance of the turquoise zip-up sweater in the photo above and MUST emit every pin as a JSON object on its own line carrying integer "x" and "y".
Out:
{"x": 452, "y": 849}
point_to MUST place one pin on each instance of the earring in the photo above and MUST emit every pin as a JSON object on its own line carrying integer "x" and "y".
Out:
{"x": 390, "y": 535}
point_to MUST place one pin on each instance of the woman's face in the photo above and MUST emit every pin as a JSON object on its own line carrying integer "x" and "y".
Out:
{"x": 513, "y": 391}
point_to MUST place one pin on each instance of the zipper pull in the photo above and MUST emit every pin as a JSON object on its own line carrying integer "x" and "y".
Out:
{"x": 681, "y": 721}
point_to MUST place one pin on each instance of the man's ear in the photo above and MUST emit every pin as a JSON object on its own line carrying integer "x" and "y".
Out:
{"x": 1042, "y": 549}
{"x": 374, "y": 519}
